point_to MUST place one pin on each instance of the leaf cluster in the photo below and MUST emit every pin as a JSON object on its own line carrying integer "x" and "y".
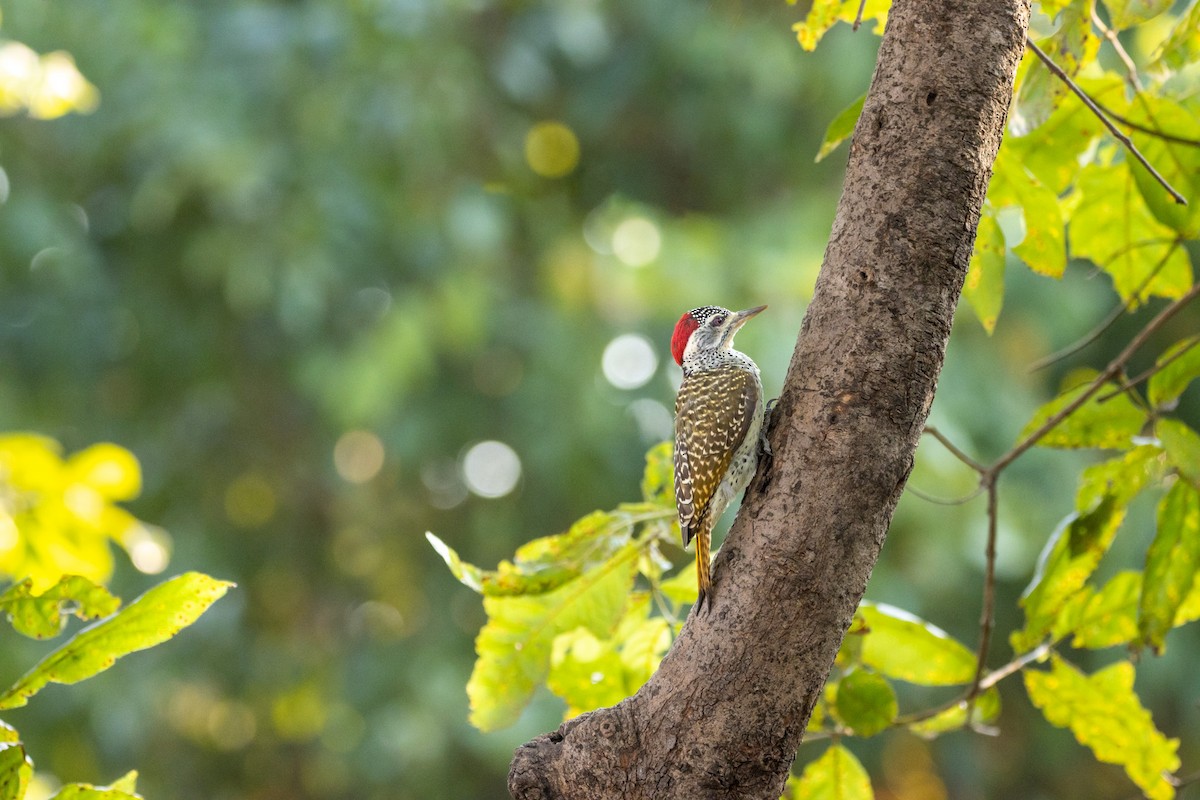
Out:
{"x": 59, "y": 515}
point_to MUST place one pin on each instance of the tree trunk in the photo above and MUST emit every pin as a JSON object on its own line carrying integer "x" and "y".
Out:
{"x": 726, "y": 710}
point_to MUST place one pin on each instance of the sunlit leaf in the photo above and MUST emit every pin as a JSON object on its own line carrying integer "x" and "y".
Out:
{"x": 824, "y": 14}
{"x": 1112, "y": 226}
{"x": 906, "y": 648}
{"x": 1110, "y": 424}
{"x": 1072, "y": 47}
{"x": 1182, "y": 46}
{"x": 1043, "y": 247}
{"x": 1121, "y": 478}
{"x": 836, "y": 775}
{"x": 681, "y": 587}
{"x": 1105, "y": 715}
{"x": 1182, "y": 361}
{"x": 544, "y": 564}
{"x": 986, "y": 709}
{"x": 1171, "y": 563}
{"x": 1124, "y": 14}
{"x": 45, "y": 615}
{"x": 1183, "y": 448}
{"x": 658, "y": 479}
{"x": 112, "y": 471}
{"x": 154, "y": 617}
{"x": 515, "y": 646}
{"x": 1053, "y": 151}
{"x": 467, "y": 574}
{"x": 984, "y": 287}
{"x": 866, "y": 702}
{"x": 1178, "y": 163}
{"x": 841, "y": 127}
{"x": 1104, "y": 618}
{"x": 124, "y": 788}
{"x": 1069, "y": 559}
{"x": 589, "y": 671}
{"x": 8, "y": 733}
{"x": 15, "y": 771}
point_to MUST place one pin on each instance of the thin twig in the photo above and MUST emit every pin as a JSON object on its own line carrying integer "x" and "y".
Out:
{"x": 1150, "y": 373}
{"x": 1111, "y": 35}
{"x": 1146, "y": 129}
{"x": 1118, "y": 310}
{"x": 989, "y": 680}
{"x": 954, "y": 450}
{"x": 1104, "y": 377}
{"x": 942, "y": 501}
{"x": 1113, "y": 129}
{"x": 862, "y": 6}
{"x": 987, "y": 617}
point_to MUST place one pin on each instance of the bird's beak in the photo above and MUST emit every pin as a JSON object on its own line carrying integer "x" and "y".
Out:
{"x": 740, "y": 318}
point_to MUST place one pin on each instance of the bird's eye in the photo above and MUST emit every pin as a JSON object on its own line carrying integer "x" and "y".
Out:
{"x": 717, "y": 321}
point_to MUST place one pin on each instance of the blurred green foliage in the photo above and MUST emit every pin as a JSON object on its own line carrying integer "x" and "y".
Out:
{"x": 303, "y": 259}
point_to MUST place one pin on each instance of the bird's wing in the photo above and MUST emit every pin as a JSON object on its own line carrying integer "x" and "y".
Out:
{"x": 713, "y": 412}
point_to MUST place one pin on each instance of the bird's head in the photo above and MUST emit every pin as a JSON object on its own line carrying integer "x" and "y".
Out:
{"x": 707, "y": 328}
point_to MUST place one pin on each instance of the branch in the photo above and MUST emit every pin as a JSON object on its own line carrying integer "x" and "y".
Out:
{"x": 1150, "y": 373}
{"x": 1109, "y": 372}
{"x": 1113, "y": 129}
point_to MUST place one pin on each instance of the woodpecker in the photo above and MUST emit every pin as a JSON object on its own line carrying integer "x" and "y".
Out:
{"x": 718, "y": 425}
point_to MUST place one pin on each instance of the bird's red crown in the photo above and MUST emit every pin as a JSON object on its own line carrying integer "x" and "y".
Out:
{"x": 683, "y": 331}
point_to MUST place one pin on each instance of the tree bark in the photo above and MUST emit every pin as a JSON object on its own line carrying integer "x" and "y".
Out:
{"x": 726, "y": 710}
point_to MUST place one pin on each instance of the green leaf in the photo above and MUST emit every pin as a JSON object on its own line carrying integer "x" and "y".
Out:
{"x": 15, "y": 771}
{"x": 824, "y": 14}
{"x": 1069, "y": 559}
{"x": 8, "y": 733}
{"x": 1121, "y": 478}
{"x": 1111, "y": 424}
{"x": 121, "y": 789}
{"x": 1124, "y": 14}
{"x": 1182, "y": 46}
{"x": 658, "y": 479}
{"x": 1104, "y": 618}
{"x": 515, "y": 646}
{"x": 866, "y": 702}
{"x": 681, "y": 587}
{"x": 154, "y": 617}
{"x": 1072, "y": 47}
{"x": 45, "y": 615}
{"x": 1052, "y": 152}
{"x": 836, "y": 775}
{"x": 987, "y": 709}
{"x": 1112, "y": 226}
{"x": 906, "y": 648}
{"x": 589, "y": 672}
{"x": 1106, "y": 716}
{"x": 468, "y": 575}
{"x": 1178, "y": 163}
{"x": 1043, "y": 247}
{"x": 544, "y": 564}
{"x": 841, "y": 127}
{"x": 1183, "y": 448}
{"x": 1171, "y": 563}
{"x": 984, "y": 288}
{"x": 1182, "y": 361}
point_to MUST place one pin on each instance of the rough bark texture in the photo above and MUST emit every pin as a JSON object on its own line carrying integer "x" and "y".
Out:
{"x": 725, "y": 712}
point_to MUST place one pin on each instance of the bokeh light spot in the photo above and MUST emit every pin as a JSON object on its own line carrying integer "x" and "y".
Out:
{"x": 250, "y": 501}
{"x": 358, "y": 456}
{"x": 231, "y": 724}
{"x": 491, "y": 469}
{"x": 149, "y": 549}
{"x": 551, "y": 149}
{"x": 629, "y": 361}
{"x": 636, "y": 241}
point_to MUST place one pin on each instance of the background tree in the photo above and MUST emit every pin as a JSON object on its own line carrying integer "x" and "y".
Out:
{"x": 303, "y": 260}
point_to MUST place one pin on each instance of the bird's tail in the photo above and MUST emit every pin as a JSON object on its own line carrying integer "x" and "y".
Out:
{"x": 703, "y": 576}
